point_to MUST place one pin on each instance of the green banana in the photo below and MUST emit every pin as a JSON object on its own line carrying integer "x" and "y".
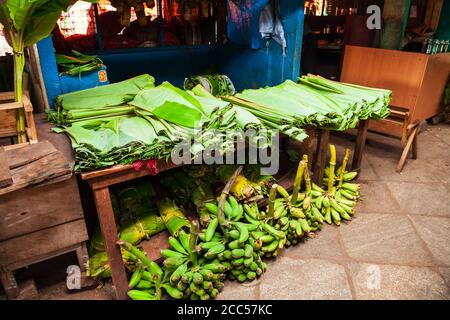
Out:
{"x": 167, "y": 253}
{"x": 212, "y": 208}
{"x": 136, "y": 277}
{"x": 234, "y": 234}
{"x": 237, "y": 253}
{"x": 174, "y": 262}
{"x": 270, "y": 247}
{"x": 214, "y": 251}
{"x": 276, "y": 233}
{"x": 141, "y": 295}
{"x": 173, "y": 292}
{"x": 144, "y": 284}
{"x": 176, "y": 245}
{"x": 176, "y": 275}
{"x": 211, "y": 229}
{"x": 243, "y": 233}
{"x": 227, "y": 209}
{"x": 184, "y": 239}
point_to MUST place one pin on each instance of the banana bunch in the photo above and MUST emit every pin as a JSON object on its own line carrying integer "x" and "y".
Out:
{"x": 337, "y": 202}
{"x": 188, "y": 275}
{"x": 147, "y": 280}
{"x": 233, "y": 246}
{"x": 270, "y": 234}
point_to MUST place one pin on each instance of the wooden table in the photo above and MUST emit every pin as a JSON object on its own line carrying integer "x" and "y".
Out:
{"x": 100, "y": 181}
{"x": 318, "y": 155}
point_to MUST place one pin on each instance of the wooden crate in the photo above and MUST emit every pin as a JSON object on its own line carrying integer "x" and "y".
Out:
{"x": 8, "y": 116}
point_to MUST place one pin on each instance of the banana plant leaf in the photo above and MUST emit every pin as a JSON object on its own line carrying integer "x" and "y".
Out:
{"x": 171, "y": 104}
{"x": 110, "y": 95}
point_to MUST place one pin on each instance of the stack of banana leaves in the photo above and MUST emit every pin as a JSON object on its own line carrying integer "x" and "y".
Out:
{"x": 316, "y": 102}
{"x": 134, "y": 120}
{"x": 77, "y": 63}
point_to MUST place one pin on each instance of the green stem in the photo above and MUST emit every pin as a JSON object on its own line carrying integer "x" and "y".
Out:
{"x": 272, "y": 196}
{"x": 193, "y": 235}
{"x": 297, "y": 182}
{"x": 307, "y": 181}
{"x": 332, "y": 166}
{"x": 344, "y": 166}
{"x": 19, "y": 63}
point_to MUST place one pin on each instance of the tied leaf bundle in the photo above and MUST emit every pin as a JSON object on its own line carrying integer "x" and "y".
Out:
{"x": 314, "y": 101}
{"x": 77, "y": 63}
{"x": 216, "y": 84}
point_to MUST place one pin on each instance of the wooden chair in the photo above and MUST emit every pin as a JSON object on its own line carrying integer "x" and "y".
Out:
{"x": 400, "y": 117}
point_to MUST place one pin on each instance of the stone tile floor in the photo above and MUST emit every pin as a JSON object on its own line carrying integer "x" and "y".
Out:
{"x": 396, "y": 247}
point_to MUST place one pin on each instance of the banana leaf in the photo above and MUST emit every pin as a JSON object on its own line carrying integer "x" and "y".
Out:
{"x": 110, "y": 95}
{"x": 173, "y": 217}
{"x": 171, "y": 104}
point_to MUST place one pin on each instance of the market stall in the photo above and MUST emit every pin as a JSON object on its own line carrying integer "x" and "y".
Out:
{"x": 221, "y": 219}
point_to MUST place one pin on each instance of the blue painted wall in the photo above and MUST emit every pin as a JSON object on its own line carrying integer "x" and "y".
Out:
{"x": 247, "y": 67}
{"x": 267, "y": 66}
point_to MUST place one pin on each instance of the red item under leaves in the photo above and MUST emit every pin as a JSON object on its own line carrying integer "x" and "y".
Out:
{"x": 150, "y": 165}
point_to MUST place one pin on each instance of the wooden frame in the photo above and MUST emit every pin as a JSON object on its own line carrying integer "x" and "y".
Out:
{"x": 7, "y": 103}
{"x": 100, "y": 181}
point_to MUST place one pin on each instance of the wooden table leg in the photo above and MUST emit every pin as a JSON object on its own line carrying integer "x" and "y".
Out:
{"x": 360, "y": 144}
{"x": 414, "y": 146}
{"x": 9, "y": 283}
{"x": 323, "y": 138}
{"x": 82, "y": 256}
{"x": 109, "y": 232}
{"x": 411, "y": 138}
{"x": 309, "y": 146}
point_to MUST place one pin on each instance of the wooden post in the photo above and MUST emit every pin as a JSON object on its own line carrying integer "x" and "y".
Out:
{"x": 109, "y": 231}
{"x": 360, "y": 144}
{"x": 395, "y": 16}
{"x": 9, "y": 283}
{"x": 323, "y": 138}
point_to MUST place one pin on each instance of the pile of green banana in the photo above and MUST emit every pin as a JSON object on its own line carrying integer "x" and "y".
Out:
{"x": 227, "y": 239}
{"x": 338, "y": 201}
{"x": 191, "y": 275}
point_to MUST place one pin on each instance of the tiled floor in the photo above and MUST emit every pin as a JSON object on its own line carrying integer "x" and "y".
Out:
{"x": 397, "y": 246}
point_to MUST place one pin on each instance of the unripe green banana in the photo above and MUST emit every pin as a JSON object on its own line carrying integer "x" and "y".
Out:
{"x": 211, "y": 229}
{"x": 212, "y": 208}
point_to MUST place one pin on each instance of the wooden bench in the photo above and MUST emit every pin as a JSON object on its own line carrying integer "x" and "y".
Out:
{"x": 399, "y": 119}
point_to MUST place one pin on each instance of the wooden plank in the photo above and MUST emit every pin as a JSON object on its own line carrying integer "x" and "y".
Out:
{"x": 431, "y": 93}
{"x": 5, "y": 175}
{"x": 129, "y": 174}
{"x": 29, "y": 153}
{"x": 360, "y": 144}
{"x": 109, "y": 233}
{"x": 9, "y": 283}
{"x": 18, "y": 249}
{"x": 28, "y": 210}
{"x": 433, "y": 13}
{"x": 42, "y": 257}
{"x": 60, "y": 141}
{"x": 8, "y": 123}
{"x": 399, "y": 71}
{"x": 28, "y": 291}
{"x": 44, "y": 169}
{"x": 10, "y": 105}
{"x": 402, "y": 161}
